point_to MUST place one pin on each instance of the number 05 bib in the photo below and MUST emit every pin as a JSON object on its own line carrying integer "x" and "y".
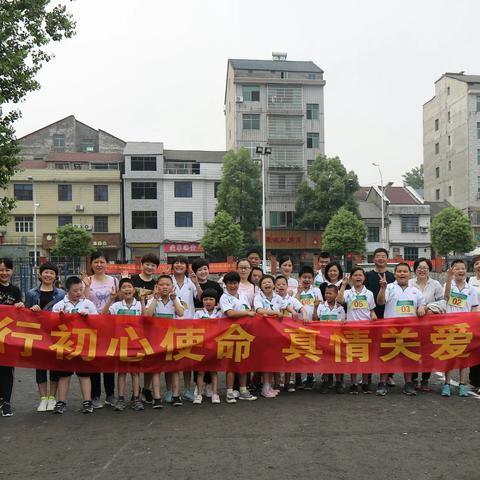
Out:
{"x": 405, "y": 307}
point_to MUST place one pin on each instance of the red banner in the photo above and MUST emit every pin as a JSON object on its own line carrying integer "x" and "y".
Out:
{"x": 110, "y": 343}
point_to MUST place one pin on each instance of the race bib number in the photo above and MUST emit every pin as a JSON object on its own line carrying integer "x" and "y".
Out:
{"x": 286, "y": 313}
{"x": 458, "y": 300}
{"x": 360, "y": 302}
{"x": 163, "y": 315}
{"x": 328, "y": 316}
{"x": 126, "y": 311}
{"x": 307, "y": 300}
{"x": 405, "y": 307}
{"x": 74, "y": 310}
{"x": 184, "y": 304}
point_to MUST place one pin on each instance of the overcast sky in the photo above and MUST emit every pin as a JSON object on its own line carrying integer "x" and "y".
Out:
{"x": 155, "y": 71}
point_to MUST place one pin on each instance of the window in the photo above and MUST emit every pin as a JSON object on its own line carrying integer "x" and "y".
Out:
{"x": 437, "y": 194}
{"x": 478, "y": 103}
{"x": 410, "y": 253}
{"x": 373, "y": 234}
{"x": 144, "y": 190}
{"x": 251, "y": 121}
{"x": 181, "y": 168}
{"x": 478, "y": 130}
{"x": 449, "y": 190}
{"x": 449, "y": 139}
{"x": 251, "y": 93}
{"x": 183, "y": 189}
{"x": 478, "y": 156}
{"x": 87, "y": 145}
{"x": 183, "y": 219}
{"x": 24, "y": 224}
{"x": 144, "y": 164}
{"x": 448, "y": 90}
{"x": 64, "y": 220}
{"x": 100, "y": 193}
{"x": 23, "y": 191}
{"x": 281, "y": 219}
{"x": 284, "y": 75}
{"x": 312, "y": 111}
{"x": 216, "y": 186}
{"x": 312, "y": 76}
{"x": 313, "y": 140}
{"x": 448, "y": 116}
{"x": 64, "y": 193}
{"x": 104, "y": 166}
{"x": 409, "y": 223}
{"x": 437, "y": 172}
{"x": 478, "y": 184}
{"x": 144, "y": 220}
{"x": 449, "y": 165}
{"x": 59, "y": 143}
{"x": 437, "y": 148}
{"x": 436, "y": 124}
{"x": 62, "y": 166}
{"x": 100, "y": 223}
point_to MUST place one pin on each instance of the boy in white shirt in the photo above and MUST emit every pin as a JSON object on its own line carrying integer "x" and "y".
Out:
{"x": 74, "y": 302}
{"x": 400, "y": 300}
{"x": 330, "y": 310}
{"x": 235, "y": 305}
{"x": 460, "y": 297}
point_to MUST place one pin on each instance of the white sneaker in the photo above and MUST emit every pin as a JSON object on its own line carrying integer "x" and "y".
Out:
{"x": 230, "y": 398}
{"x": 215, "y": 398}
{"x": 42, "y": 407}
{"x": 51, "y": 404}
{"x": 209, "y": 391}
{"x": 197, "y": 400}
{"x": 236, "y": 393}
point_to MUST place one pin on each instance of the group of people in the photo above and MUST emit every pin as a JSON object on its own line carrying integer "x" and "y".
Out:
{"x": 188, "y": 292}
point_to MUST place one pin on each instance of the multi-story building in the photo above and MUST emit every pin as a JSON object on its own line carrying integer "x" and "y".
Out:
{"x": 451, "y": 144}
{"x": 407, "y": 221}
{"x": 169, "y": 195}
{"x": 277, "y": 103}
{"x": 70, "y": 173}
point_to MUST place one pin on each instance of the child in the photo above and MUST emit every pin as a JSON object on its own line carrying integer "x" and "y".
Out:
{"x": 9, "y": 295}
{"x": 74, "y": 302}
{"x": 309, "y": 297}
{"x": 269, "y": 303}
{"x": 400, "y": 301}
{"x": 360, "y": 306}
{"x": 235, "y": 305}
{"x": 209, "y": 311}
{"x": 256, "y": 274}
{"x": 286, "y": 269}
{"x": 37, "y": 299}
{"x": 129, "y": 305}
{"x": 460, "y": 297}
{"x": 165, "y": 304}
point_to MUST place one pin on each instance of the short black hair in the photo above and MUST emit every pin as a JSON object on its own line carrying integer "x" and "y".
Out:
{"x": 150, "y": 258}
{"x": 71, "y": 281}
{"x": 284, "y": 259}
{"x": 180, "y": 259}
{"x": 306, "y": 269}
{"x": 332, "y": 287}
{"x": 402, "y": 264}
{"x": 380, "y": 250}
{"x": 475, "y": 259}
{"x": 280, "y": 277}
{"x": 357, "y": 269}
{"x": 231, "y": 277}
{"x": 251, "y": 272}
{"x": 125, "y": 280}
{"x": 265, "y": 277}
{"x": 324, "y": 255}
{"x": 210, "y": 293}
{"x": 164, "y": 275}
{"x": 254, "y": 250}
{"x": 199, "y": 263}
{"x": 458, "y": 260}
{"x": 48, "y": 266}
{"x": 329, "y": 266}
{"x": 418, "y": 261}
{"x": 7, "y": 262}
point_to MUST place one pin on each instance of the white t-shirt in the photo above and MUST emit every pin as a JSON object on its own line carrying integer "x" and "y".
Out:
{"x": 164, "y": 310}
{"x": 473, "y": 282}
{"x": 359, "y": 304}
{"x": 121, "y": 308}
{"x": 203, "y": 313}
{"x": 277, "y": 303}
{"x": 462, "y": 300}
{"x": 319, "y": 279}
{"x": 230, "y": 302}
{"x": 401, "y": 302}
{"x": 327, "y": 314}
{"x": 82, "y": 306}
{"x": 292, "y": 286}
{"x": 185, "y": 296}
{"x": 307, "y": 299}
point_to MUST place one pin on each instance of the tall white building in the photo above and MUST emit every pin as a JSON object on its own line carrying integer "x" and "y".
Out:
{"x": 451, "y": 144}
{"x": 278, "y": 103}
{"x": 168, "y": 197}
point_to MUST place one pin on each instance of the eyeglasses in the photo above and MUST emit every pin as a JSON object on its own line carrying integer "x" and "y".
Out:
{"x": 244, "y": 268}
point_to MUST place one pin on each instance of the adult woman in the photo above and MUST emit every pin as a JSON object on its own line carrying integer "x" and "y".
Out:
{"x": 432, "y": 292}
{"x": 286, "y": 268}
{"x": 333, "y": 276}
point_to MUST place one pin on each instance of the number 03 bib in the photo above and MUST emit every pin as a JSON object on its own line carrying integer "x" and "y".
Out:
{"x": 458, "y": 300}
{"x": 405, "y": 307}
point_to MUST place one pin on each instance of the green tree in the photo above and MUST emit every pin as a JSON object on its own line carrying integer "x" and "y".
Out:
{"x": 452, "y": 232}
{"x": 240, "y": 191}
{"x": 73, "y": 241}
{"x": 223, "y": 237}
{"x": 330, "y": 188}
{"x": 26, "y": 28}
{"x": 414, "y": 178}
{"x": 345, "y": 233}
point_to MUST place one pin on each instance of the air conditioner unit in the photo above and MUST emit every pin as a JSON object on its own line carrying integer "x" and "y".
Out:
{"x": 423, "y": 229}
{"x": 239, "y": 99}
{"x": 88, "y": 227}
{"x": 79, "y": 208}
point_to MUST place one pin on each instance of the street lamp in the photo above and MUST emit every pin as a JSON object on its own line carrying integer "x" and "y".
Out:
{"x": 383, "y": 206}
{"x": 35, "y": 206}
{"x": 263, "y": 152}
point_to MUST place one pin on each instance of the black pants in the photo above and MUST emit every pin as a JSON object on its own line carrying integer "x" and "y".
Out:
{"x": 6, "y": 383}
{"x": 475, "y": 376}
{"x": 425, "y": 377}
{"x": 41, "y": 376}
{"x": 108, "y": 383}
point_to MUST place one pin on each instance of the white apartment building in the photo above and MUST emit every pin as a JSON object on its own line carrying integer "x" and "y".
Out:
{"x": 168, "y": 197}
{"x": 278, "y": 103}
{"x": 451, "y": 144}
